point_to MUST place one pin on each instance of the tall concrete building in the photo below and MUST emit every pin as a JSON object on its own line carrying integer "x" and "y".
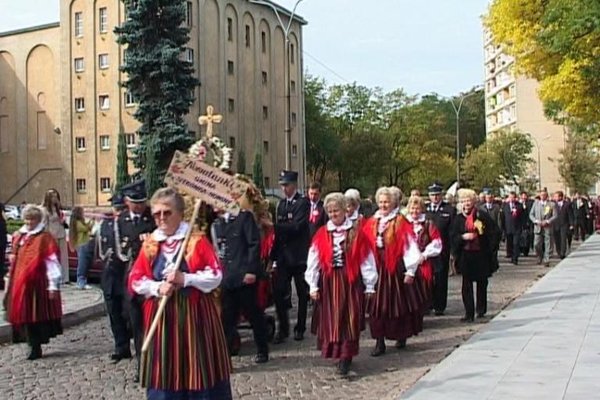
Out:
{"x": 512, "y": 103}
{"x": 62, "y": 107}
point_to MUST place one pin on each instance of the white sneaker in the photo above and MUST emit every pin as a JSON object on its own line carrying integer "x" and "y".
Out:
{"x": 85, "y": 287}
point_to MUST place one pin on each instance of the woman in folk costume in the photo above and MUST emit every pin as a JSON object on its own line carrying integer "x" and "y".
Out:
{"x": 56, "y": 225}
{"x": 340, "y": 272}
{"x": 429, "y": 241}
{"x": 32, "y": 301}
{"x": 188, "y": 357}
{"x": 474, "y": 238}
{"x": 353, "y": 211}
{"x": 395, "y": 309}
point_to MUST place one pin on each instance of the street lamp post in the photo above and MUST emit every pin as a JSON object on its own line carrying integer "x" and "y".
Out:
{"x": 457, "y": 112}
{"x": 287, "y": 73}
{"x": 539, "y": 158}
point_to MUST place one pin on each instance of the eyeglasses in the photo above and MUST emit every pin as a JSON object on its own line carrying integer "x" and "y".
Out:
{"x": 162, "y": 214}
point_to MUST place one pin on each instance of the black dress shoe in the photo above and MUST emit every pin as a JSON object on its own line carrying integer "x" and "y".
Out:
{"x": 401, "y": 344}
{"x": 343, "y": 367}
{"x": 439, "y": 313}
{"x": 261, "y": 358}
{"x": 116, "y": 357}
{"x": 280, "y": 337}
{"x": 379, "y": 348}
{"x": 298, "y": 335}
{"x": 480, "y": 315}
{"x": 467, "y": 319}
{"x": 36, "y": 352}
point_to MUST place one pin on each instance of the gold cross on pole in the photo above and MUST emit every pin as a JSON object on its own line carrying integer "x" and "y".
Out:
{"x": 209, "y": 119}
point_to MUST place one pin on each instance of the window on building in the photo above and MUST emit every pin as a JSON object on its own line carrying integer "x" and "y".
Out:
{"x": 103, "y": 61}
{"x": 247, "y": 35}
{"x": 80, "y": 185}
{"x": 104, "y": 142}
{"x": 189, "y": 12}
{"x": 231, "y": 105}
{"x": 104, "y": 102}
{"x": 188, "y": 55}
{"x": 129, "y": 99}
{"x": 230, "y": 67}
{"x": 267, "y": 182}
{"x": 266, "y": 147}
{"x": 78, "y": 24}
{"x": 265, "y": 112}
{"x": 130, "y": 140}
{"x": 232, "y": 142}
{"x": 263, "y": 41}
{"x": 80, "y": 143}
{"x": 265, "y": 77}
{"x": 230, "y": 29}
{"x": 293, "y": 120}
{"x": 105, "y": 184}
{"x": 294, "y": 151}
{"x": 79, "y": 64}
{"x": 79, "y": 104}
{"x": 293, "y": 87}
{"x": 103, "y": 20}
{"x": 292, "y": 53}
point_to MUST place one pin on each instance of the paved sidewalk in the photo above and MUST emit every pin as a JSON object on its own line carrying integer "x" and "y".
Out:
{"x": 545, "y": 345}
{"x": 78, "y": 306}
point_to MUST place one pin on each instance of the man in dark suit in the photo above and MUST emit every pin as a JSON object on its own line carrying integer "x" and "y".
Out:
{"x": 580, "y": 210}
{"x": 442, "y": 214}
{"x": 114, "y": 279}
{"x": 134, "y": 225}
{"x": 513, "y": 216}
{"x": 237, "y": 240}
{"x": 289, "y": 254}
{"x": 317, "y": 217}
{"x": 492, "y": 208}
{"x": 527, "y": 228}
{"x": 562, "y": 224}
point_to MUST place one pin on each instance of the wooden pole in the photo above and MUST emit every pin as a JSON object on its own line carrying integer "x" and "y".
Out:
{"x": 165, "y": 299}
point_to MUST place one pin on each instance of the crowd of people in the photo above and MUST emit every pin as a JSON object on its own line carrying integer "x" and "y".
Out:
{"x": 386, "y": 268}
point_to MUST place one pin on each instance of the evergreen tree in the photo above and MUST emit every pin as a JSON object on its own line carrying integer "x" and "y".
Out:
{"x": 150, "y": 174}
{"x": 241, "y": 162}
{"x": 161, "y": 81}
{"x": 122, "y": 163}
{"x": 257, "y": 171}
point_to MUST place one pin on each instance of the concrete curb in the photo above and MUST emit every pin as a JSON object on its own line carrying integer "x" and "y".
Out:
{"x": 69, "y": 319}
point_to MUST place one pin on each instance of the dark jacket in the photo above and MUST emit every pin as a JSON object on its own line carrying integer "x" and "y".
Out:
{"x": 513, "y": 217}
{"x": 566, "y": 217}
{"x": 442, "y": 216}
{"x": 130, "y": 232}
{"x": 580, "y": 213}
{"x": 493, "y": 212}
{"x": 237, "y": 240}
{"x": 316, "y": 218}
{"x": 113, "y": 275}
{"x": 292, "y": 235}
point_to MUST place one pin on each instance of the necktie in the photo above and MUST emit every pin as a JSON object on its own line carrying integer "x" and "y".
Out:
{"x": 136, "y": 220}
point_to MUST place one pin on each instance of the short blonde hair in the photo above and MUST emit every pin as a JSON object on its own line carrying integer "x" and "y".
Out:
{"x": 169, "y": 195}
{"x": 384, "y": 191}
{"x": 352, "y": 197}
{"x": 336, "y": 198}
{"x": 32, "y": 211}
{"x": 464, "y": 194}
{"x": 416, "y": 201}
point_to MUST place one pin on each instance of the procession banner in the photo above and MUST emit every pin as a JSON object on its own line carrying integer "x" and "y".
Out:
{"x": 205, "y": 182}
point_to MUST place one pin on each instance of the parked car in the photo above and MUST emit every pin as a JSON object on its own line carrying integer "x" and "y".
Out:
{"x": 12, "y": 212}
{"x": 95, "y": 271}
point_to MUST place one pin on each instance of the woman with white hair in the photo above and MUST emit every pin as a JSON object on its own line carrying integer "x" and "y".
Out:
{"x": 394, "y": 310}
{"x": 474, "y": 238}
{"x": 33, "y": 303}
{"x": 353, "y": 213}
{"x": 340, "y": 272}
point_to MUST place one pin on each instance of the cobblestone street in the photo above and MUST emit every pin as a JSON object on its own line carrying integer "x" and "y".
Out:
{"x": 76, "y": 365}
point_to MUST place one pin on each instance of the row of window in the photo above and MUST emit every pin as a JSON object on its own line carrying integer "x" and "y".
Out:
{"x": 80, "y": 142}
{"x": 81, "y": 185}
{"x": 263, "y": 39}
{"x": 79, "y": 62}
{"x": 103, "y": 102}
{"x": 102, "y": 22}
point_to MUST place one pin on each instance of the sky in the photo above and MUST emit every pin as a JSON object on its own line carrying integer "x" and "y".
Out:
{"x": 421, "y": 46}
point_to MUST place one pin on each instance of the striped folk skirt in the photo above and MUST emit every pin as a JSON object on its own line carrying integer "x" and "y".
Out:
{"x": 188, "y": 356}
{"x": 396, "y": 309}
{"x": 338, "y": 317}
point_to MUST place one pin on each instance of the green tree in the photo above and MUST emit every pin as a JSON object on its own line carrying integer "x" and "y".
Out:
{"x": 150, "y": 173}
{"x": 579, "y": 161}
{"x": 155, "y": 35}
{"x": 122, "y": 163}
{"x": 556, "y": 42}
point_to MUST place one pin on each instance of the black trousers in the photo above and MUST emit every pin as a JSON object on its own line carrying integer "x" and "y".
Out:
{"x": 243, "y": 300}
{"x": 115, "y": 308}
{"x": 469, "y": 301}
{"x": 136, "y": 325}
{"x": 513, "y": 248}
{"x": 560, "y": 241}
{"x": 441, "y": 267}
{"x": 580, "y": 229}
{"x": 2, "y": 267}
{"x": 282, "y": 293}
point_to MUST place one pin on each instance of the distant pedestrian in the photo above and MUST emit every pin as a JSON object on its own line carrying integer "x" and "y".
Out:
{"x": 56, "y": 226}
{"x": 33, "y": 303}
{"x": 80, "y": 242}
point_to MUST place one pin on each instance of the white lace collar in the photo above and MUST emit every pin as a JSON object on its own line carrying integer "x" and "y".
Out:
{"x": 40, "y": 227}
{"x": 354, "y": 215}
{"x": 179, "y": 234}
{"x": 388, "y": 217}
{"x": 410, "y": 219}
{"x": 347, "y": 224}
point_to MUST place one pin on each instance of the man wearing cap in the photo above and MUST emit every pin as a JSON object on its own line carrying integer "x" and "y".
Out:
{"x": 442, "y": 214}
{"x": 543, "y": 214}
{"x": 289, "y": 254}
{"x": 134, "y": 225}
{"x": 114, "y": 278}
